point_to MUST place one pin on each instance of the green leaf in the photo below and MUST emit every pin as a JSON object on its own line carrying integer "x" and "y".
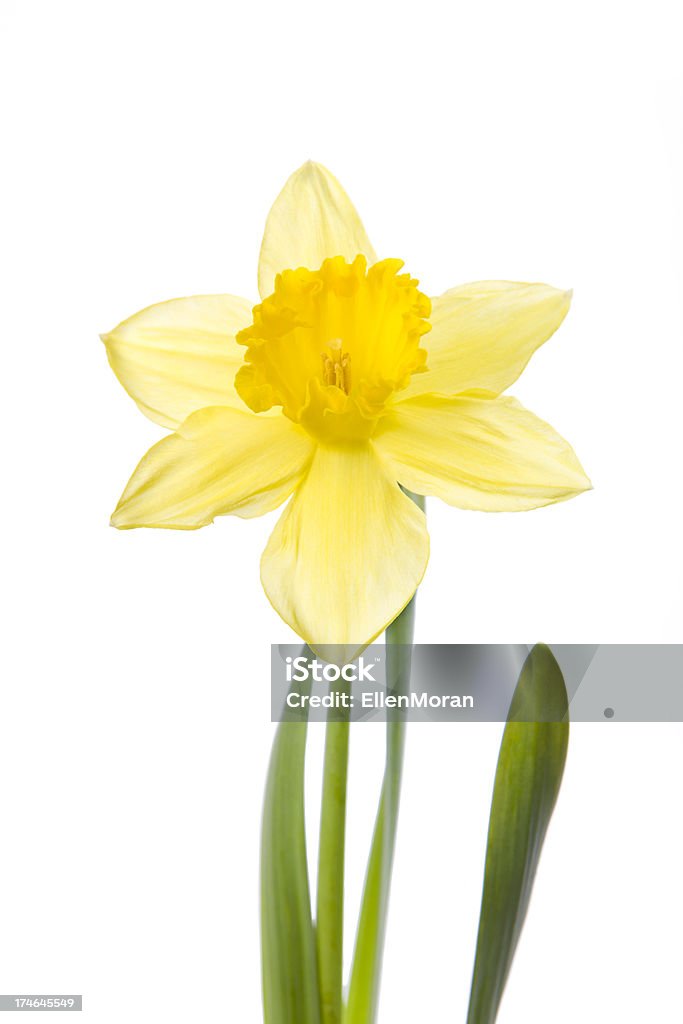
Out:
{"x": 288, "y": 953}
{"x": 528, "y": 777}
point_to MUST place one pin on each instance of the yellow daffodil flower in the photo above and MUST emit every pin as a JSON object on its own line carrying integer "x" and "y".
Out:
{"x": 332, "y": 392}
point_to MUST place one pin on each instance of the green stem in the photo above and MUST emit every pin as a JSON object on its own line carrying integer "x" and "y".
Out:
{"x": 288, "y": 956}
{"x": 367, "y": 959}
{"x": 330, "y": 903}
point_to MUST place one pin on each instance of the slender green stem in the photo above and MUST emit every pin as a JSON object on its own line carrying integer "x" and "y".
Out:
{"x": 288, "y": 956}
{"x": 330, "y": 903}
{"x": 364, "y": 986}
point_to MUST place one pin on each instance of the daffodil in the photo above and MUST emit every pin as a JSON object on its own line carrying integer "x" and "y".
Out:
{"x": 343, "y": 383}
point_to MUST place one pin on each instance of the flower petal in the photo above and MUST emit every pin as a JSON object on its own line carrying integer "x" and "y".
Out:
{"x": 490, "y": 454}
{"x": 311, "y": 219}
{"x": 180, "y": 356}
{"x": 484, "y": 334}
{"x": 220, "y": 461}
{"x": 347, "y": 554}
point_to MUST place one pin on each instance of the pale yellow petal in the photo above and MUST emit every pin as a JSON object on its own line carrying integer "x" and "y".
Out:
{"x": 348, "y": 552}
{"x": 477, "y": 453}
{"x": 179, "y": 356}
{"x": 219, "y": 461}
{"x": 311, "y": 219}
{"x": 484, "y": 334}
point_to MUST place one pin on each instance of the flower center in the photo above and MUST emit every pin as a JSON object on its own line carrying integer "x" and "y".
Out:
{"x": 331, "y": 346}
{"x": 337, "y": 367}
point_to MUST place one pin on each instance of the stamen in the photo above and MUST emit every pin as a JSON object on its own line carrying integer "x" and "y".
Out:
{"x": 336, "y": 366}
{"x": 346, "y": 367}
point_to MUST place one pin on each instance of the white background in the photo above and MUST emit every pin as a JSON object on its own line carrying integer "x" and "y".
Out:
{"x": 143, "y": 143}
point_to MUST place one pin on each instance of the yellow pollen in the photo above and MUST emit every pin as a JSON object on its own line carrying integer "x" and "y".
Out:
{"x": 337, "y": 366}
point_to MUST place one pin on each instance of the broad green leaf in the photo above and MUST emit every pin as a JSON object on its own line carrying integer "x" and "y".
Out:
{"x": 288, "y": 954}
{"x": 528, "y": 777}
